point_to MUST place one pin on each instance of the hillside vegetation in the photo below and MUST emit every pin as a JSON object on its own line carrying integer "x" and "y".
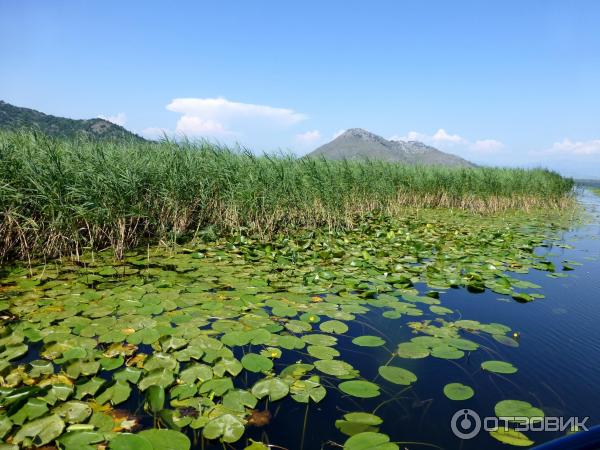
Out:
{"x": 59, "y": 196}
{"x": 13, "y": 118}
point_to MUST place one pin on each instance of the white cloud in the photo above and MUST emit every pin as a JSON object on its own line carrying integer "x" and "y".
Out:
{"x": 196, "y": 126}
{"x": 220, "y": 117}
{"x": 567, "y": 147}
{"x": 442, "y": 136}
{"x": 486, "y": 146}
{"x": 309, "y": 137}
{"x": 223, "y": 109}
{"x": 118, "y": 119}
{"x": 155, "y": 132}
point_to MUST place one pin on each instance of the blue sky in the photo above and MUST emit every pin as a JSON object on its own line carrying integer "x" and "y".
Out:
{"x": 498, "y": 82}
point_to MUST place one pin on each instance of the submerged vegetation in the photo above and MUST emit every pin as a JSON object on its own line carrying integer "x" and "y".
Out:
{"x": 208, "y": 342}
{"x": 59, "y": 197}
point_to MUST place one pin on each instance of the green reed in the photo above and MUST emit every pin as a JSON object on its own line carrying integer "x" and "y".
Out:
{"x": 60, "y": 197}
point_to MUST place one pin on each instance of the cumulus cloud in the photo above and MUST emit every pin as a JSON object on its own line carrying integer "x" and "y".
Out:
{"x": 117, "y": 119}
{"x": 309, "y": 137}
{"x": 221, "y": 117}
{"x": 486, "y": 146}
{"x": 567, "y": 147}
{"x": 197, "y": 126}
{"x": 155, "y": 132}
{"x": 442, "y": 136}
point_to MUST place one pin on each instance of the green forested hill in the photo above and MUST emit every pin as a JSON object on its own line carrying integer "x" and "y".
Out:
{"x": 14, "y": 118}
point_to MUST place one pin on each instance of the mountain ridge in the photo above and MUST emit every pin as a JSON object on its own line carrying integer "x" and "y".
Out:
{"x": 359, "y": 144}
{"x": 14, "y": 118}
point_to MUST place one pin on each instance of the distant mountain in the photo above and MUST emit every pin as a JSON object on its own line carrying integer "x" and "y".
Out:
{"x": 15, "y": 118}
{"x": 357, "y": 143}
{"x": 588, "y": 182}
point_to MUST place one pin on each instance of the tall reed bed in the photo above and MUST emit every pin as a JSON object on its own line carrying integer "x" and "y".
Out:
{"x": 60, "y": 196}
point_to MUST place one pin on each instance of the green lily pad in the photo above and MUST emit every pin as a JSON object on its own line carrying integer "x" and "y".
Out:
{"x": 304, "y": 390}
{"x": 498, "y": 367}
{"x": 218, "y": 386}
{"x": 198, "y": 372}
{"x": 446, "y": 352}
{"x": 358, "y": 422}
{"x": 275, "y": 388}
{"x": 33, "y": 409}
{"x": 397, "y": 375}
{"x": 368, "y": 341}
{"x": 369, "y": 440}
{"x": 40, "y": 367}
{"x": 322, "y": 352}
{"x": 412, "y": 350}
{"x": 41, "y": 431}
{"x": 239, "y": 400}
{"x": 360, "y": 388}
{"x": 166, "y": 439}
{"x": 116, "y": 394}
{"x": 158, "y": 377}
{"x": 319, "y": 339}
{"x": 128, "y": 441}
{"x": 505, "y": 340}
{"x": 517, "y": 408}
{"x": 227, "y": 427}
{"x": 440, "y": 310}
{"x": 458, "y": 391}
{"x": 256, "y": 363}
{"x": 334, "y": 327}
{"x": 73, "y": 411}
{"x": 334, "y": 367}
{"x": 81, "y": 440}
{"x": 511, "y": 437}
{"x": 155, "y": 398}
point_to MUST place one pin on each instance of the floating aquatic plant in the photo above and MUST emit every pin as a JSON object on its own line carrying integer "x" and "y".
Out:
{"x": 207, "y": 338}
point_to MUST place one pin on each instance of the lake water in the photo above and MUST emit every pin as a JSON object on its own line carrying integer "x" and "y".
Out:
{"x": 558, "y": 352}
{"x": 558, "y": 358}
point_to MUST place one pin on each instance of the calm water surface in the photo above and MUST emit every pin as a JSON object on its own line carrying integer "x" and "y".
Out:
{"x": 558, "y": 359}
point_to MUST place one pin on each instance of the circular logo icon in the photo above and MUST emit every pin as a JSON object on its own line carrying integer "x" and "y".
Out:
{"x": 465, "y": 424}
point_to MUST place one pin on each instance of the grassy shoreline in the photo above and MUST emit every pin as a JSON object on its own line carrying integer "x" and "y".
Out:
{"x": 59, "y": 197}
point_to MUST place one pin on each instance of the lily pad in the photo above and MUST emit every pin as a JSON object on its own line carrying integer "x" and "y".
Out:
{"x": 128, "y": 441}
{"x": 275, "y": 388}
{"x": 368, "y": 341}
{"x": 458, "y": 391}
{"x": 333, "y": 326}
{"x": 334, "y": 367}
{"x": 166, "y": 439}
{"x": 517, "y": 409}
{"x": 227, "y": 427}
{"x": 502, "y": 367}
{"x": 412, "y": 350}
{"x": 397, "y": 375}
{"x": 256, "y": 363}
{"x": 511, "y": 437}
{"x": 369, "y": 440}
{"x": 322, "y": 352}
{"x": 360, "y": 388}
{"x": 155, "y": 398}
{"x": 41, "y": 431}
